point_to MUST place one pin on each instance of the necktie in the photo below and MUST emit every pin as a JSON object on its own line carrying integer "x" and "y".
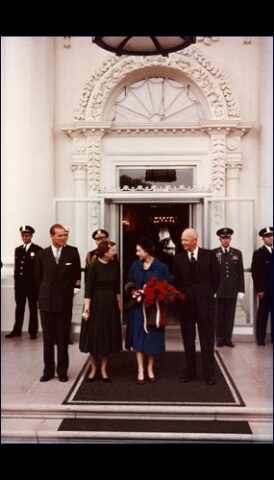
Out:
{"x": 57, "y": 255}
{"x": 226, "y": 252}
{"x": 192, "y": 258}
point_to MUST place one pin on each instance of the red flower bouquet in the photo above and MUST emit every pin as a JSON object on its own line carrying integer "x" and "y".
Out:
{"x": 157, "y": 295}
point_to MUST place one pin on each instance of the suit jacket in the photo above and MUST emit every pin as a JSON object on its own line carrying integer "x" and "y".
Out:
{"x": 261, "y": 269}
{"x": 231, "y": 271}
{"x": 56, "y": 281}
{"x": 24, "y": 267}
{"x": 199, "y": 284}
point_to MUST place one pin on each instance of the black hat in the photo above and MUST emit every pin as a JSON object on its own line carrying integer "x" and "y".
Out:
{"x": 224, "y": 232}
{"x": 26, "y": 229}
{"x": 99, "y": 232}
{"x": 266, "y": 231}
{"x": 146, "y": 244}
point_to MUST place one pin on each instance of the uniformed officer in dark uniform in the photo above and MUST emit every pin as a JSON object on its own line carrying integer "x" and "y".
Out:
{"x": 24, "y": 283}
{"x": 230, "y": 288}
{"x": 261, "y": 269}
{"x": 99, "y": 236}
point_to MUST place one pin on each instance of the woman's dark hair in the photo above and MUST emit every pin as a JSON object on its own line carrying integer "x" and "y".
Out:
{"x": 104, "y": 247}
{"x": 147, "y": 245}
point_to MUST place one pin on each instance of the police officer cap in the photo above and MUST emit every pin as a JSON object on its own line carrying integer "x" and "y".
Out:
{"x": 266, "y": 231}
{"x": 98, "y": 233}
{"x": 224, "y": 232}
{"x": 26, "y": 229}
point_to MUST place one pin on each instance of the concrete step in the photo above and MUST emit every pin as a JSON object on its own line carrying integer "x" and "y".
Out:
{"x": 40, "y": 423}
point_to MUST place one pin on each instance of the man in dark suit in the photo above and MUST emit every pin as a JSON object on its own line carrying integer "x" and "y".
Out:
{"x": 24, "y": 284}
{"x": 196, "y": 273}
{"x": 231, "y": 286}
{"x": 261, "y": 269}
{"x": 57, "y": 269}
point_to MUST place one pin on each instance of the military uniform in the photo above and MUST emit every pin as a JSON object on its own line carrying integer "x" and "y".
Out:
{"x": 231, "y": 283}
{"x": 261, "y": 269}
{"x": 25, "y": 287}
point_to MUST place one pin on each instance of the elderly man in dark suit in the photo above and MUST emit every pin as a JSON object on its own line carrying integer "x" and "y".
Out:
{"x": 231, "y": 286}
{"x": 261, "y": 269}
{"x": 24, "y": 284}
{"x": 57, "y": 269}
{"x": 196, "y": 272}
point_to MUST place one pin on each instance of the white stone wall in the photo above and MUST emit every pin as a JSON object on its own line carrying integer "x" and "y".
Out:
{"x": 42, "y": 83}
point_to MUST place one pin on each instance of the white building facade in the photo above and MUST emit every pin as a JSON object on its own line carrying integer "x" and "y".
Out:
{"x": 136, "y": 145}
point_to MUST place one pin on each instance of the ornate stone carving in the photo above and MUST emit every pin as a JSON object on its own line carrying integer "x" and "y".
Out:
{"x": 218, "y": 163}
{"x": 67, "y": 42}
{"x": 78, "y": 166}
{"x": 93, "y": 162}
{"x": 207, "y": 40}
{"x": 80, "y": 145}
{"x": 233, "y": 143}
{"x": 80, "y": 112}
{"x": 211, "y": 81}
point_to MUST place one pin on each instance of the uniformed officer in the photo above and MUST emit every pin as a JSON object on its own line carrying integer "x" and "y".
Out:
{"x": 24, "y": 283}
{"x": 261, "y": 269}
{"x": 99, "y": 236}
{"x": 230, "y": 288}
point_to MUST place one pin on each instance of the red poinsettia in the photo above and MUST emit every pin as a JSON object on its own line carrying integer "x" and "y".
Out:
{"x": 160, "y": 291}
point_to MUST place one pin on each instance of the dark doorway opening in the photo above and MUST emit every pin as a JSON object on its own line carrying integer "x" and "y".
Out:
{"x": 162, "y": 223}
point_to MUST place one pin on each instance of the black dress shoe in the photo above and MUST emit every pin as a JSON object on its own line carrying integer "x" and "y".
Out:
{"x": 13, "y": 334}
{"x": 46, "y": 378}
{"x": 188, "y": 378}
{"x": 261, "y": 344}
{"x": 63, "y": 378}
{"x": 230, "y": 344}
{"x": 33, "y": 337}
{"x": 210, "y": 381}
{"x": 70, "y": 342}
{"x": 220, "y": 344}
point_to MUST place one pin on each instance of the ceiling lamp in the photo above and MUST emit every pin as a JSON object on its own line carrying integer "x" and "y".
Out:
{"x": 143, "y": 45}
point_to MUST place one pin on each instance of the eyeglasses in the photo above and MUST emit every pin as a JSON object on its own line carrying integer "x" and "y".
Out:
{"x": 100, "y": 238}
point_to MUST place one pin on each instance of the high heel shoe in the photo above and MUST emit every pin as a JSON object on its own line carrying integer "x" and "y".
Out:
{"x": 140, "y": 381}
{"x": 90, "y": 380}
{"x": 152, "y": 379}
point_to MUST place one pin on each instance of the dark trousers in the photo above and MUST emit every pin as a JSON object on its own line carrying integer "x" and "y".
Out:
{"x": 224, "y": 318}
{"x": 262, "y": 316}
{"x": 205, "y": 324}
{"x": 55, "y": 327}
{"x": 21, "y": 296}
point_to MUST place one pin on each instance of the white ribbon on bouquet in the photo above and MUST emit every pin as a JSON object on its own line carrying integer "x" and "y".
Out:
{"x": 158, "y": 312}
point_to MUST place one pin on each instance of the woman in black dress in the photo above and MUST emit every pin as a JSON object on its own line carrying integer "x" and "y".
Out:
{"x": 101, "y": 332}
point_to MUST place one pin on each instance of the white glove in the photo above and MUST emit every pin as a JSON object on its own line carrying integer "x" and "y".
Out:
{"x": 76, "y": 290}
{"x": 240, "y": 295}
{"x": 215, "y": 295}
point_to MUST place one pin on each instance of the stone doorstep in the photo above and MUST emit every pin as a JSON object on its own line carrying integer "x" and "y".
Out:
{"x": 46, "y": 414}
{"x": 41, "y": 436}
{"x": 249, "y": 414}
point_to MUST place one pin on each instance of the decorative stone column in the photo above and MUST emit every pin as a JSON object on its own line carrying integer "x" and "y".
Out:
{"x": 27, "y": 151}
{"x": 265, "y": 213}
{"x": 218, "y": 155}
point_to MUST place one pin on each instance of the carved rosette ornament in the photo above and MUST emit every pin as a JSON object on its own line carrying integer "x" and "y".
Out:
{"x": 218, "y": 163}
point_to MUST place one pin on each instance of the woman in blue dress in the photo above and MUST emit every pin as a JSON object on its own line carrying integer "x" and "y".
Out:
{"x": 153, "y": 342}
